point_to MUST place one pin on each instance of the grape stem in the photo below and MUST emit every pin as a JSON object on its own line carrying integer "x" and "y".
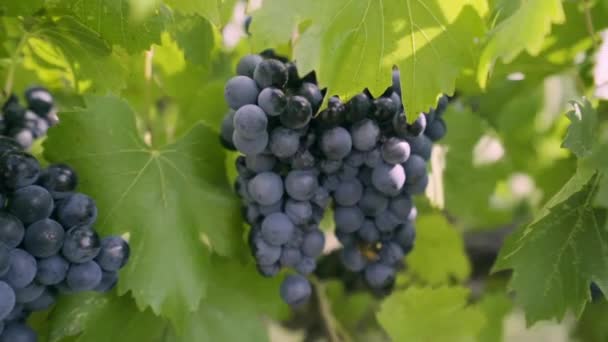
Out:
{"x": 334, "y": 330}
{"x": 10, "y": 75}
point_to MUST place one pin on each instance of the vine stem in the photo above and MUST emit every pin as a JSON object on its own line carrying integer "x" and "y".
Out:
{"x": 10, "y": 75}
{"x": 334, "y": 329}
{"x": 589, "y": 23}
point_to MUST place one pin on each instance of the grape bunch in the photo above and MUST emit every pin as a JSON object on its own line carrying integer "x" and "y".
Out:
{"x": 48, "y": 245}
{"x": 361, "y": 156}
{"x": 26, "y": 124}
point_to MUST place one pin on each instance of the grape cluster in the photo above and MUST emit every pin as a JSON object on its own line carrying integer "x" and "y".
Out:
{"x": 26, "y": 124}
{"x": 48, "y": 245}
{"x": 361, "y": 154}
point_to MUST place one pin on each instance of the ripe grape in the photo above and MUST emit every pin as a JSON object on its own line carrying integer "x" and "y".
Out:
{"x": 240, "y": 91}
{"x": 250, "y": 121}
{"x": 295, "y": 290}
{"x": 270, "y": 72}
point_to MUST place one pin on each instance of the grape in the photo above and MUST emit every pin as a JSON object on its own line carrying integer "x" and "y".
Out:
{"x": 400, "y": 125}
{"x": 18, "y": 313}
{"x": 269, "y": 270}
{"x": 76, "y": 210}
{"x": 270, "y": 72}
{"x": 346, "y": 239}
{"x": 365, "y": 134}
{"x": 299, "y": 212}
{"x": 266, "y": 188}
{"x": 266, "y": 254}
{"x": 250, "y": 146}
{"x": 23, "y": 136}
{"x": 348, "y": 193}
{"x": 395, "y": 151}
{"x": 114, "y": 253}
{"x": 334, "y": 114}
{"x": 297, "y": 114}
{"x": 277, "y": 229}
{"x": 348, "y": 219}
{"x": 251, "y": 213}
{"x": 321, "y": 197}
{"x": 295, "y": 290}
{"x": 368, "y": 232}
{"x": 81, "y": 244}
{"x": 352, "y": 258}
{"x": 11, "y": 230}
{"x": 247, "y": 64}
{"x": 385, "y": 109}
{"x": 108, "y": 281}
{"x": 290, "y": 256}
{"x": 43, "y": 302}
{"x": 296, "y": 239}
{"x": 31, "y": 203}
{"x": 7, "y": 300}
{"x": 413, "y": 214}
{"x": 293, "y": 80}
{"x": 379, "y": 275}
{"x": 388, "y": 179}
{"x": 330, "y": 166}
{"x": 405, "y": 234}
{"x": 386, "y": 221}
{"x": 22, "y": 269}
{"x": 240, "y": 91}
{"x": 84, "y": 277}
{"x": 43, "y": 238}
{"x": 313, "y": 243}
{"x": 5, "y": 259}
{"x": 418, "y": 187}
{"x": 272, "y": 208}
{"x": 373, "y": 202}
{"x": 421, "y": 145}
{"x": 336, "y": 143}
{"x": 436, "y": 130}
{"x": 7, "y": 145}
{"x": 419, "y": 126}
{"x": 260, "y": 162}
{"x": 442, "y": 104}
{"x": 306, "y": 265}
{"x": 39, "y": 100}
{"x": 330, "y": 182}
{"x": 284, "y": 142}
{"x": 272, "y": 101}
{"x": 303, "y": 160}
{"x": 58, "y": 178}
{"x": 52, "y": 270}
{"x": 18, "y": 170}
{"x": 227, "y": 130}
{"x": 391, "y": 253}
{"x": 301, "y": 185}
{"x": 358, "y": 108}
{"x": 396, "y": 99}
{"x": 415, "y": 169}
{"x": 250, "y": 121}
{"x": 18, "y": 332}
{"x": 29, "y": 293}
{"x": 396, "y": 81}
{"x": 311, "y": 92}
{"x": 373, "y": 158}
{"x": 401, "y": 206}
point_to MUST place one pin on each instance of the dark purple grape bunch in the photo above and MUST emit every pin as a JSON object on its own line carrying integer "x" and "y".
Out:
{"x": 48, "y": 245}
{"x": 26, "y": 124}
{"x": 278, "y": 179}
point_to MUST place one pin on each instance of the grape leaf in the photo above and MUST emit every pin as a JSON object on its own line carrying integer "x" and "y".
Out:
{"x": 591, "y": 327}
{"x": 495, "y": 307}
{"x": 195, "y": 36}
{"x": 236, "y": 294}
{"x": 438, "y": 255}
{"x": 214, "y": 10}
{"x": 426, "y": 314}
{"x": 461, "y": 175}
{"x": 113, "y": 21}
{"x": 353, "y": 45}
{"x": 174, "y": 202}
{"x": 89, "y": 56}
{"x": 525, "y": 29}
{"x": 556, "y": 257}
{"x": 22, "y": 7}
{"x": 582, "y": 134}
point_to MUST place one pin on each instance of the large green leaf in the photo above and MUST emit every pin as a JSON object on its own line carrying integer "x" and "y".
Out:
{"x": 426, "y": 314}
{"x": 174, "y": 202}
{"x": 439, "y": 255}
{"x": 495, "y": 307}
{"x": 525, "y": 29}
{"x": 113, "y": 21}
{"x": 555, "y": 258}
{"x": 582, "y": 133}
{"x": 353, "y": 45}
{"x": 22, "y": 7}
{"x": 216, "y": 11}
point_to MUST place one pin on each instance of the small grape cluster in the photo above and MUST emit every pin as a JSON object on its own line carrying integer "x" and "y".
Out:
{"x": 297, "y": 160}
{"x": 48, "y": 245}
{"x": 26, "y": 124}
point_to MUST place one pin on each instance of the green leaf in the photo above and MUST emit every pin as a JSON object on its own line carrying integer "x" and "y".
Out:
{"x": 463, "y": 176}
{"x": 348, "y": 308}
{"x": 591, "y": 327}
{"x": 425, "y": 314}
{"x": 439, "y": 255}
{"x": 525, "y": 29}
{"x": 195, "y": 36}
{"x": 213, "y": 10}
{"x": 555, "y": 258}
{"x": 17, "y": 8}
{"x": 174, "y": 202}
{"x": 582, "y": 133}
{"x": 495, "y": 307}
{"x": 353, "y": 45}
{"x": 113, "y": 21}
{"x": 88, "y": 56}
